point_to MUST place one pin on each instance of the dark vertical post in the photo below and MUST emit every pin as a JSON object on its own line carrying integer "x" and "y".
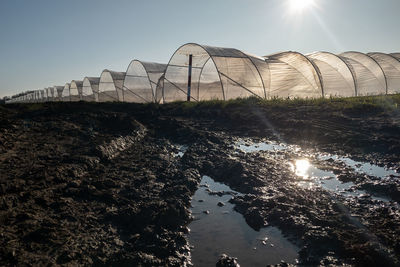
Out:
{"x": 189, "y": 77}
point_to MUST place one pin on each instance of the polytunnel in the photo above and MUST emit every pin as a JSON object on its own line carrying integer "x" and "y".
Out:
{"x": 75, "y": 90}
{"x": 369, "y": 76}
{"x": 37, "y": 96}
{"x": 198, "y": 72}
{"x": 110, "y": 86}
{"x": 41, "y": 96}
{"x": 391, "y": 68}
{"x": 47, "y": 94}
{"x": 90, "y": 89}
{"x": 336, "y": 76}
{"x": 396, "y": 55}
{"x": 293, "y": 75}
{"x": 58, "y": 92}
{"x": 141, "y": 81}
{"x": 65, "y": 96}
{"x": 51, "y": 95}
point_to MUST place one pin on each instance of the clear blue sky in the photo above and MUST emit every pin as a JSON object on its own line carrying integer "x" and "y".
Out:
{"x": 51, "y": 42}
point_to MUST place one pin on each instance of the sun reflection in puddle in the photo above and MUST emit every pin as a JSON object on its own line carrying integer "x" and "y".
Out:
{"x": 301, "y": 168}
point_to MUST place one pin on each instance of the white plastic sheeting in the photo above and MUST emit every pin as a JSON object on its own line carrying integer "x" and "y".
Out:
{"x": 391, "y": 68}
{"x": 110, "y": 86}
{"x": 369, "y": 76}
{"x": 216, "y": 73}
{"x": 141, "y": 81}
{"x": 337, "y": 78}
{"x": 58, "y": 91}
{"x": 90, "y": 89}
{"x": 75, "y": 90}
{"x": 228, "y": 73}
{"x": 65, "y": 95}
{"x": 293, "y": 75}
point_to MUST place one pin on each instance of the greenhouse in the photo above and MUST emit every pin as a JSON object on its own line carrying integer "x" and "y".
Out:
{"x": 369, "y": 76}
{"x": 336, "y": 75}
{"x": 90, "y": 88}
{"x": 110, "y": 86}
{"x": 65, "y": 95}
{"x": 42, "y": 96}
{"x": 197, "y": 72}
{"x": 75, "y": 90}
{"x": 51, "y": 95}
{"x": 58, "y": 92}
{"x": 141, "y": 81}
{"x": 293, "y": 75}
{"x": 391, "y": 68}
{"x": 396, "y": 55}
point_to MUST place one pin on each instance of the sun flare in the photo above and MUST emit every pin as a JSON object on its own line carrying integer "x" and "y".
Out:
{"x": 298, "y": 6}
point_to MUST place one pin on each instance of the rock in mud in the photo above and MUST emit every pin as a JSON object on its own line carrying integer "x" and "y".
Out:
{"x": 226, "y": 261}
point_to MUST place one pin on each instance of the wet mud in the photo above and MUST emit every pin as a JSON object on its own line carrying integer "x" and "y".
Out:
{"x": 112, "y": 184}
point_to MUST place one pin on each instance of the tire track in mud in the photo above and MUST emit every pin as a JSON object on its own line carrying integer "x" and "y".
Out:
{"x": 64, "y": 200}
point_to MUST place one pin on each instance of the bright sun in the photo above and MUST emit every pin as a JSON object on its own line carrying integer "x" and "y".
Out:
{"x": 298, "y": 6}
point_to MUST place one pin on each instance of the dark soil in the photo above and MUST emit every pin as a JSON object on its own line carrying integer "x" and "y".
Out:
{"x": 100, "y": 184}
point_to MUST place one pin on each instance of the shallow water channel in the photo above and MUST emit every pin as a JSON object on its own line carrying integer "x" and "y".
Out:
{"x": 218, "y": 229}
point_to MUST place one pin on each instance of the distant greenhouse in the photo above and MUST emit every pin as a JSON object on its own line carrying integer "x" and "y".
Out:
{"x": 75, "y": 91}
{"x": 198, "y": 72}
{"x": 141, "y": 81}
{"x": 110, "y": 86}
{"x": 90, "y": 89}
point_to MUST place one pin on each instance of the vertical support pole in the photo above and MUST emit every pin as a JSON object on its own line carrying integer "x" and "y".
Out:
{"x": 189, "y": 77}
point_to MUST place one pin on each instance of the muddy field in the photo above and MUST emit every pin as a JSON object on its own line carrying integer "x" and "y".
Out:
{"x": 112, "y": 183}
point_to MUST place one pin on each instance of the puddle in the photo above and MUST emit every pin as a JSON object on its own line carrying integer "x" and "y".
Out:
{"x": 181, "y": 150}
{"x": 362, "y": 167}
{"x": 223, "y": 230}
{"x": 249, "y": 147}
{"x": 312, "y": 176}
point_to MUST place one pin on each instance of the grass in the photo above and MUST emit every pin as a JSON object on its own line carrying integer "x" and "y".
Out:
{"x": 367, "y": 103}
{"x": 386, "y": 103}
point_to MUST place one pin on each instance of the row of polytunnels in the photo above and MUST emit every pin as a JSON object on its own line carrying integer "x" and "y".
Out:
{"x": 197, "y": 72}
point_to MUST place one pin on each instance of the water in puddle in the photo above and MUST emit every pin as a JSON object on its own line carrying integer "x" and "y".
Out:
{"x": 181, "y": 150}
{"x": 312, "y": 176}
{"x": 260, "y": 146}
{"x": 362, "y": 167}
{"x": 223, "y": 230}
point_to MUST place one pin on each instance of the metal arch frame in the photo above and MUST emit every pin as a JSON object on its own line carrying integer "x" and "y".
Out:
{"x": 77, "y": 88}
{"x": 69, "y": 96}
{"x": 388, "y": 55}
{"x": 393, "y": 55}
{"x": 91, "y": 86}
{"x": 202, "y": 47}
{"x": 255, "y": 66}
{"x": 113, "y": 82}
{"x": 216, "y": 66}
{"x": 380, "y": 67}
{"x": 348, "y": 67}
{"x": 316, "y": 69}
{"x": 259, "y": 74}
{"x": 153, "y": 93}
